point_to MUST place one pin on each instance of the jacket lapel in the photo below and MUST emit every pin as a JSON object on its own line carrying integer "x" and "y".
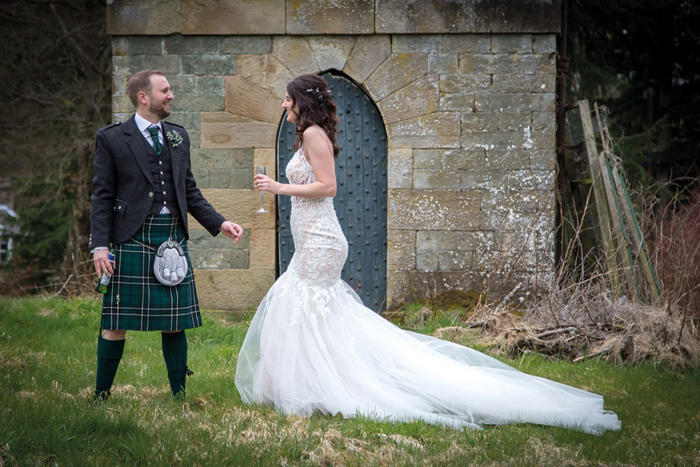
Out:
{"x": 174, "y": 153}
{"x": 135, "y": 143}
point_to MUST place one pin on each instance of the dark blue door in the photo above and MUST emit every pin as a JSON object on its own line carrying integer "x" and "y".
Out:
{"x": 361, "y": 197}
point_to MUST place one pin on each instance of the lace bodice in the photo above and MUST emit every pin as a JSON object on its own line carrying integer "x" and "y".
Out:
{"x": 320, "y": 246}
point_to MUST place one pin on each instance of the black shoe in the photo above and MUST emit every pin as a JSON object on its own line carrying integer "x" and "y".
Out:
{"x": 100, "y": 397}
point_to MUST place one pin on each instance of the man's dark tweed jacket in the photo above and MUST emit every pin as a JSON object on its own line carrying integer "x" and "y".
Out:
{"x": 122, "y": 189}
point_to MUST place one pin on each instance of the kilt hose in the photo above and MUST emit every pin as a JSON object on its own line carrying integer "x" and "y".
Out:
{"x": 135, "y": 300}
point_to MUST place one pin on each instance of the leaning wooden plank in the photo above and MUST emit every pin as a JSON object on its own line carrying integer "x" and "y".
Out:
{"x": 619, "y": 243}
{"x": 599, "y": 194}
{"x": 636, "y": 234}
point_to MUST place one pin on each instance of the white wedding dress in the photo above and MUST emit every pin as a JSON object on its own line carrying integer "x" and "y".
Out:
{"x": 313, "y": 347}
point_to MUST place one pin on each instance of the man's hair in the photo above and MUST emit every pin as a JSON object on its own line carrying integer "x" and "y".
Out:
{"x": 141, "y": 81}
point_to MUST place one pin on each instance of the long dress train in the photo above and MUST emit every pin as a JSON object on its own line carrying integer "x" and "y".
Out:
{"x": 313, "y": 346}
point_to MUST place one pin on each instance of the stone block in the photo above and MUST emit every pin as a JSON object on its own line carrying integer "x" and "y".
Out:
{"x": 531, "y": 180}
{"x": 209, "y": 85}
{"x": 464, "y": 159}
{"x": 511, "y": 43}
{"x": 475, "y": 83}
{"x": 436, "y": 179}
{"x": 233, "y": 17}
{"x": 367, "y": 54}
{"x": 461, "y": 16}
{"x": 118, "y": 46}
{"x": 484, "y": 179}
{"x": 418, "y": 98}
{"x": 475, "y": 64}
{"x": 158, "y": 17}
{"x": 544, "y": 43}
{"x": 209, "y": 64}
{"x": 466, "y": 43}
{"x": 544, "y": 83}
{"x": 195, "y": 139}
{"x": 455, "y": 260}
{"x": 119, "y": 83}
{"x": 476, "y": 122}
{"x": 132, "y": 64}
{"x": 507, "y": 159}
{"x": 495, "y": 140}
{"x": 436, "y": 130}
{"x": 219, "y": 259}
{"x": 400, "y": 168}
{"x": 456, "y": 102}
{"x": 410, "y": 286}
{"x": 197, "y": 103}
{"x": 426, "y": 260}
{"x": 432, "y": 240}
{"x": 397, "y": 71}
{"x": 267, "y": 71}
{"x": 401, "y": 250}
{"x": 190, "y": 120}
{"x": 233, "y": 289}
{"x": 519, "y": 201}
{"x": 181, "y": 84}
{"x": 245, "y": 45}
{"x": 427, "y": 159}
{"x": 296, "y": 54}
{"x": 121, "y": 104}
{"x": 225, "y": 130}
{"x": 248, "y": 99}
{"x": 239, "y": 206}
{"x": 121, "y": 116}
{"x": 144, "y": 45}
{"x": 191, "y": 45}
{"x": 418, "y": 209}
{"x": 524, "y": 64}
{"x": 263, "y": 249}
{"x": 505, "y": 263}
{"x": 416, "y": 43}
{"x": 544, "y": 120}
{"x": 219, "y": 178}
{"x": 331, "y": 52}
{"x": 443, "y": 63}
{"x": 543, "y": 139}
{"x": 223, "y": 159}
{"x": 450, "y": 83}
{"x": 518, "y": 102}
{"x": 330, "y": 17}
{"x": 516, "y": 121}
{"x": 508, "y": 220}
{"x": 266, "y": 157}
{"x": 543, "y": 159}
{"x": 202, "y": 240}
{"x": 510, "y": 83}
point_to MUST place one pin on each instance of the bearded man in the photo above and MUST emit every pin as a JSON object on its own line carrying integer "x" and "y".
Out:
{"x": 142, "y": 190}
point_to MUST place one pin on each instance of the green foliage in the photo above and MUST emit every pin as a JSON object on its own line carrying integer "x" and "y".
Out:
{"x": 620, "y": 49}
{"x": 47, "y": 363}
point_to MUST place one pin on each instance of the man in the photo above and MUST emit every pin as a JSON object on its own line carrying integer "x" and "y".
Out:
{"x": 141, "y": 193}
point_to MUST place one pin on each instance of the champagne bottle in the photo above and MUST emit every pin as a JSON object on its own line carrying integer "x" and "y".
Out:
{"x": 102, "y": 284}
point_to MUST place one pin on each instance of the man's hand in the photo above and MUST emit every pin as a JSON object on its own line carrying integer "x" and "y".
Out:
{"x": 231, "y": 230}
{"x": 102, "y": 264}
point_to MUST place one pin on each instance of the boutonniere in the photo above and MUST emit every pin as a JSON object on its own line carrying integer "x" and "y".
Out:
{"x": 174, "y": 137}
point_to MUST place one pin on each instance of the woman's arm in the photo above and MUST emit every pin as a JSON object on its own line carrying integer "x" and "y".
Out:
{"x": 322, "y": 162}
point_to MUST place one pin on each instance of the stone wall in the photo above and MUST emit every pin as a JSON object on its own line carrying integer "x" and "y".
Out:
{"x": 468, "y": 104}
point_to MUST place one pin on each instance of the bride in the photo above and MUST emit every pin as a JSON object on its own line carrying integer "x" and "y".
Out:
{"x": 313, "y": 347}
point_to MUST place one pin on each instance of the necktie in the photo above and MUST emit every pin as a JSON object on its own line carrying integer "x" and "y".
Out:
{"x": 153, "y": 130}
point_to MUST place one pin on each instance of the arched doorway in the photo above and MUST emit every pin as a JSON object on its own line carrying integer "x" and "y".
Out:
{"x": 361, "y": 199}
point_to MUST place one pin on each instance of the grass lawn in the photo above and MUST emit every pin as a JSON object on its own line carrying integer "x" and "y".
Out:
{"x": 47, "y": 373}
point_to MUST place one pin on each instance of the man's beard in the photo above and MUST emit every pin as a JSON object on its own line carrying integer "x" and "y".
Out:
{"x": 158, "y": 110}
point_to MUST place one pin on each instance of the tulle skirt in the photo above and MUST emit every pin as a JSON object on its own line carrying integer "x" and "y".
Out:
{"x": 316, "y": 348}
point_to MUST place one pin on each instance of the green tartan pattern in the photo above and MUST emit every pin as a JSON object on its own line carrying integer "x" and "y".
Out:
{"x": 135, "y": 300}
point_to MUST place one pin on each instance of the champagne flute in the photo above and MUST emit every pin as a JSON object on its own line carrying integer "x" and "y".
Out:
{"x": 263, "y": 171}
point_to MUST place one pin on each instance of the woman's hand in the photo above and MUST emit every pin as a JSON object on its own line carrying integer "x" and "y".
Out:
{"x": 265, "y": 183}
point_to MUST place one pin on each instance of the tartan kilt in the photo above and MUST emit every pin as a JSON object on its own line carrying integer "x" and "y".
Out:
{"x": 135, "y": 300}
